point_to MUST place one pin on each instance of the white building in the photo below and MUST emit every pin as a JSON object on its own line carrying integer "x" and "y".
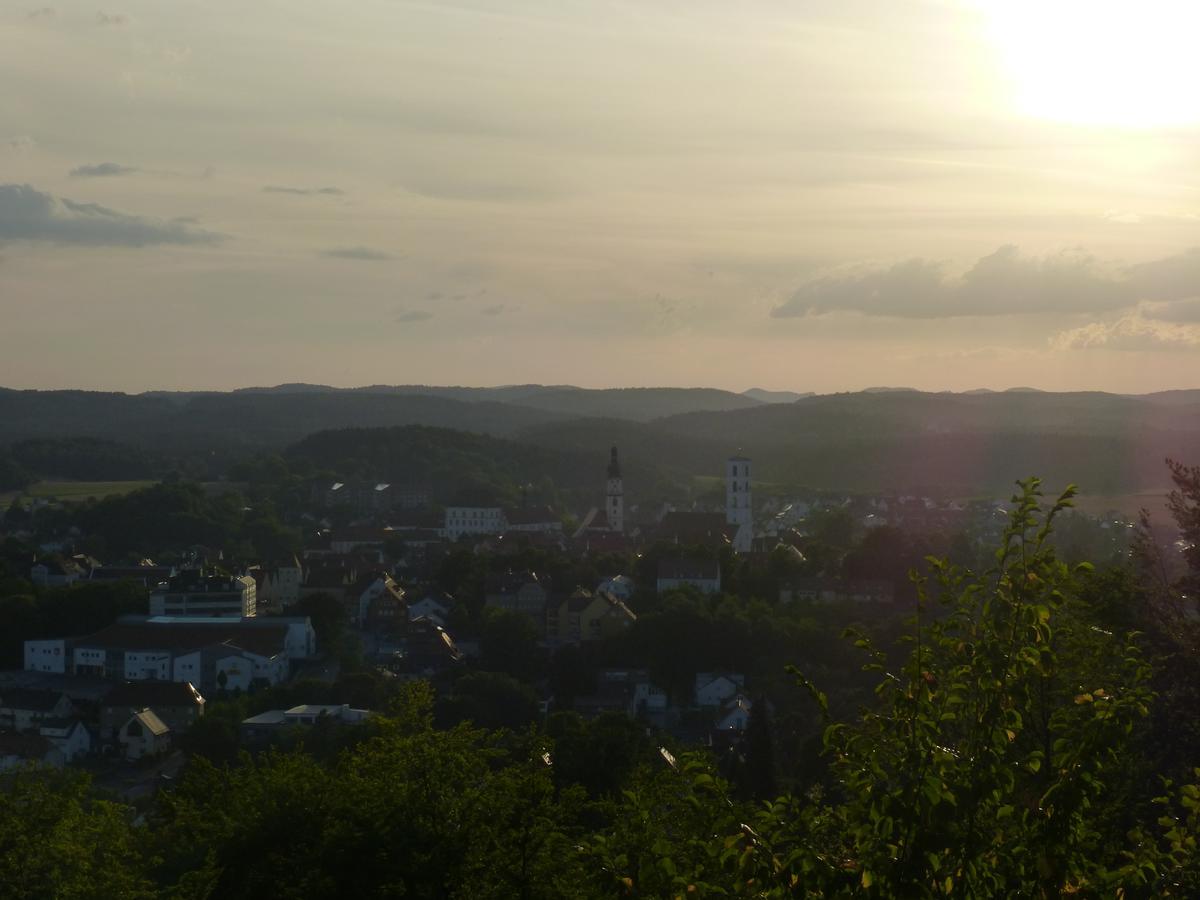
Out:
{"x": 615, "y": 495}
{"x": 739, "y": 510}
{"x": 702, "y": 574}
{"x": 190, "y": 594}
{"x": 197, "y": 650}
{"x": 68, "y": 735}
{"x": 462, "y": 520}
{"x": 715, "y": 689}
{"x": 144, "y": 734}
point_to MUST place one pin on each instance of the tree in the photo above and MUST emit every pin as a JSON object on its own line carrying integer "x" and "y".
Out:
{"x": 328, "y": 615}
{"x": 508, "y": 642}
{"x": 58, "y": 840}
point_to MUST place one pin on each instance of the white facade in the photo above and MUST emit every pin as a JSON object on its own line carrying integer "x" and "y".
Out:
{"x": 614, "y": 492}
{"x": 46, "y": 656}
{"x": 238, "y": 601}
{"x": 714, "y": 690}
{"x": 736, "y": 715}
{"x": 739, "y": 509}
{"x": 69, "y": 736}
{"x": 238, "y": 672}
{"x": 187, "y": 667}
{"x": 147, "y": 665}
{"x": 462, "y": 520}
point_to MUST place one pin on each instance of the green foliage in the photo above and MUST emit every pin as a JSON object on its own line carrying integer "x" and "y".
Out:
{"x": 58, "y": 840}
{"x": 84, "y": 459}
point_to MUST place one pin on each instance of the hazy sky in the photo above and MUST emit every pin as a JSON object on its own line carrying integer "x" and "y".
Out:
{"x": 803, "y": 195}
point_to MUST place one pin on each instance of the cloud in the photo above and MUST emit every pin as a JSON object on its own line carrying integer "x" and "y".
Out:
{"x": 1175, "y": 311}
{"x": 102, "y": 170}
{"x": 495, "y": 310}
{"x": 360, "y": 253}
{"x": 27, "y": 214}
{"x": 414, "y": 315}
{"x": 43, "y": 12}
{"x": 1122, "y": 217}
{"x": 1172, "y": 278}
{"x": 114, "y": 19}
{"x": 18, "y": 143}
{"x": 1129, "y": 332}
{"x": 1002, "y": 283}
{"x": 302, "y": 192}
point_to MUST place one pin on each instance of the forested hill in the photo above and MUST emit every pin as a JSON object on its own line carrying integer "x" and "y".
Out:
{"x": 637, "y": 404}
{"x": 873, "y": 440}
{"x": 937, "y": 443}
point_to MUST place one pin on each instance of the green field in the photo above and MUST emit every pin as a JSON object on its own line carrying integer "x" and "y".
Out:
{"x": 74, "y": 491}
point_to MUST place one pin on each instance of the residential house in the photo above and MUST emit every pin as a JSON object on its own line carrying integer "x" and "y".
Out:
{"x": 67, "y": 735}
{"x": 380, "y": 603}
{"x": 734, "y": 714}
{"x": 713, "y": 689}
{"x": 584, "y": 616}
{"x": 628, "y": 691}
{"x": 177, "y": 703}
{"x": 55, "y": 571}
{"x": 523, "y": 592}
{"x": 144, "y": 735}
{"x": 19, "y": 749}
{"x": 278, "y": 585}
{"x": 434, "y": 607}
{"x": 22, "y": 709}
{"x": 702, "y": 574}
{"x": 620, "y": 586}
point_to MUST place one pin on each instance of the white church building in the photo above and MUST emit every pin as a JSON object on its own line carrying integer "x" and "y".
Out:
{"x": 739, "y": 509}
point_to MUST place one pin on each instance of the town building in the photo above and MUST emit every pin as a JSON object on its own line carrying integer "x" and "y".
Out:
{"x": 702, "y": 574}
{"x": 739, "y": 509}
{"x": 176, "y": 703}
{"x": 837, "y": 591}
{"x": 261, "y": 729}
{"x": 56, "y": 572}
{"x": 210, "y": 652}
{"x": 614, "y": 502}
{"x": 473, "y": 520}
{"x": 144, "y": 735}
{"x": 69, "y": 737}
{"x": 584, "y": 616}
{"x": 22, "y": 709}
{"x": 194, "y": 593}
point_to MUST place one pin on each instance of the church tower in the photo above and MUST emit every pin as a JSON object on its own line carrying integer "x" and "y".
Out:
{"x": 738, "y": 509}
{"x": 615, "y": 502}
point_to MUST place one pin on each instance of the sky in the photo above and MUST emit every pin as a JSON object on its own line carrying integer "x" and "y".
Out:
{"x": 813, "y": 196}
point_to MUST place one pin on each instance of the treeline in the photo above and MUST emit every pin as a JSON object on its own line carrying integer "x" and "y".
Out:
{"x": 166, "y": 518}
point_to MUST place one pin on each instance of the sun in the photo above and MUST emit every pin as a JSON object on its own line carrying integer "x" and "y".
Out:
{"x": 1100, "y": 62}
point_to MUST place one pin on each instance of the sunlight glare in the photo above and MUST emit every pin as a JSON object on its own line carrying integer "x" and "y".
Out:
{"x": 1100, "y": 62}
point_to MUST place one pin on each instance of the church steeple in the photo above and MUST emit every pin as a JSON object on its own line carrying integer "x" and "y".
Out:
{"x": 614, "y": 466}
{"x": 614, "y": 505}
